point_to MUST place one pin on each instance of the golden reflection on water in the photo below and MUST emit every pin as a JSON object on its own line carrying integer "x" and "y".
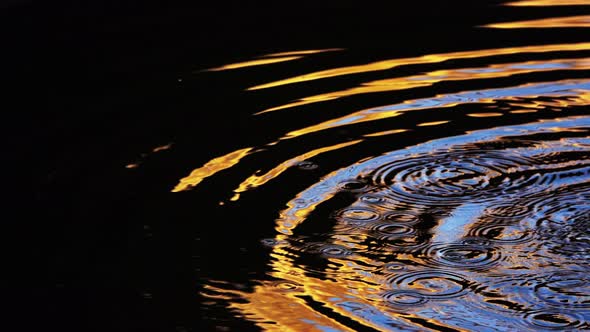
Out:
{"x": 223, "y": 162}
{"x": 291, "y": 304}
{"x": 162, "y": 148}
{"x": 157, "y": 149}
{"x": 527, "y": 3}
{"x": 582, "y": 21}
{"x": 425, "y": 59}
{"x": 273, "y": 58}
{"x": 484, "y": 115}
{"x": 432, "y": 123}
{"x": 427, "y": 79}
{"x": 213, "y": 166}
{"x": 257, "y": 62}
{"x": 387, "y": 132}
{"x": 257, "y": 180}
{"x": 303, "y": 52}
{"x": 442, "y": 101}
{"x": 523, "y": 111}
{"x": 281, "y": 306}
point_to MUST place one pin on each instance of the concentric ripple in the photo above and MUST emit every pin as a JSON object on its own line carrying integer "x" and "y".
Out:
{"x": 496, "y": 215}
{"x": 463, "y": 256}
{"x": 326, "y": 250}
{"x": 421, "y": 192}
{"x": 388, "y": 231}
{"x": 567, "y": 291}
{"x": 505, "y": 210}
{"x": 504, "y": 234}
{"x": 357, "y": 215}
{"x": 451, "y": 178}
{"x": 554, "y": 320}
{"x": 431, "y": 284}
{"x": 403, "y": 299}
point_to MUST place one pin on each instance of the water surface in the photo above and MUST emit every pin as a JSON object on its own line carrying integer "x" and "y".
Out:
{"x": 419, "y": 169}
{"x": 444, "y": 191}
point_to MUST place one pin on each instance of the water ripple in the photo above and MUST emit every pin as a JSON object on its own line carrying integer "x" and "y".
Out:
{"x": 431, "y": 284}
{"x": 444, "y": 191}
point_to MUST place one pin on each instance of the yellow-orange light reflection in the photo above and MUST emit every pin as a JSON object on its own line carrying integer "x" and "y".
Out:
{"x": 342, "y": 121}
{"x": 210, "y": 168}
{"x": 162, "y": 148}
{"x": 303, "y": 52}
{"x": 430, "y": 58}
{"x": 484, "y": 115}
{"x": 257, "y": 62}
{"x": 582, "y": 21}
{"x": 387, "y": 132}
{"x": 433, "y": 123}
{"x": 427, "y": 79}
{"x": 543, "y": 3}
{"x": 257, "y": 180}
{"x": 581, "y": 98}
{"x": 522, "y": 111}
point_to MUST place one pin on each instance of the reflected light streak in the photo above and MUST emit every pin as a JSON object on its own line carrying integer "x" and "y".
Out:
{"x": 210, "y": 168}
{"x": 433, "y": 123}
{"x": 303, "y": 52}
{"x": 273, "y": 58}
{"x": 484, "y": 115}
{"x": 526, "y": 3}
{"x": 162, "y": 148}
{"x": 251, "y": 63}
{"x": 582, "y": 21}
{"x": 578, "y": 89}
{"x": 430, "y": 58}
{"x": 387, "y": 132}
{"x": 523, "y": 111}
{"x": 258, "y": 180}
{"x": 428, "y": 79}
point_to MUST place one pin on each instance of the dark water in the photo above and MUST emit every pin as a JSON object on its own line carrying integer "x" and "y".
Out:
{"x": 343, "y": 167}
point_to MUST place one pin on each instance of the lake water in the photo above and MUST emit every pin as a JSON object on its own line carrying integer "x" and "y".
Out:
{"x": 343, "y": 167}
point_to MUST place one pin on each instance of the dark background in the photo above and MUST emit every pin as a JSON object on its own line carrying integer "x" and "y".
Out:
{"x": 101, "y": 82}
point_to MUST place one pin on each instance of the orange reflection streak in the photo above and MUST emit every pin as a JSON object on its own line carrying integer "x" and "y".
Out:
{"x": 371, "y": 114}
{"x": 162, "y": 148}
{"x": 484, "y": 115}
{"x": 431, "y": 58}
{"x": 303, "y": 52}
{"x": 258, "y": 180}
{"x": 548, "y": 3}
{"x": 433, "y": 123}
{"x": 582, "y": 21}
{"x": 251, "y": 63}
{"x": 523, "y": 111}
{"x": 401, "y": 83}
{"x": 387, "y": 132}
{"x": 210, "y": 168}
{"x": 144, "y": 155}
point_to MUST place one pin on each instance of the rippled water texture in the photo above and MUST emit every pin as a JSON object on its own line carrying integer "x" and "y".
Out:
{"x": 446, "y": 191}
